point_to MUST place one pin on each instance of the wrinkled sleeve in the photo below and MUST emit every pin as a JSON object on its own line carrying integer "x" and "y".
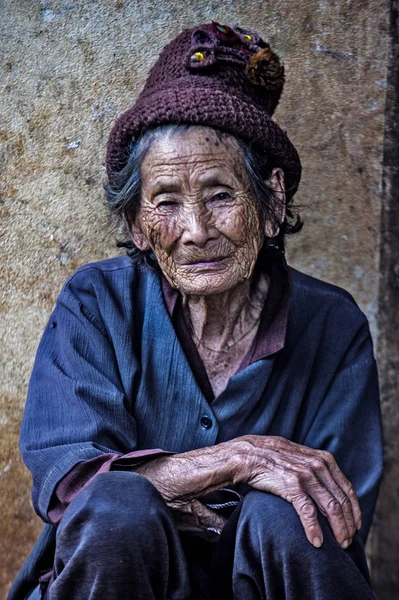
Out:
{"x": 348, "y": 423}
{"x": 81, "y": 474}
{"x": 76, "y": 407}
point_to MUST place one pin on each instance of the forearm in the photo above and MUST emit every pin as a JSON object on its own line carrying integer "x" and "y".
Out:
{"x": 307, "y": 478}
{"x": 182, "y": 477}
{"x": 83, "y": 472}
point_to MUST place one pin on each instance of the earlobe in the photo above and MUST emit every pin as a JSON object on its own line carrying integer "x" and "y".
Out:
{"x": 271, "y": 230}
{"x": 276, "y": 184}
{"x": 137, "y": 235}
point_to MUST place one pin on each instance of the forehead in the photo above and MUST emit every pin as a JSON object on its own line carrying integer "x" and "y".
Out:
{"x": 191, "y": 153}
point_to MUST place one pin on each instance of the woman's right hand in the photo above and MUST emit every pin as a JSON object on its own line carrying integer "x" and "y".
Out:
{"x": 305, "y": 477}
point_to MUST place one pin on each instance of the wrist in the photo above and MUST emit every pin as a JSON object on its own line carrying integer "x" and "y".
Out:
{"x": 183, "y": 476}
{"x": 252, "y": 452}
{"x": 240, "y": 459}
{"x": 231, "y": 458}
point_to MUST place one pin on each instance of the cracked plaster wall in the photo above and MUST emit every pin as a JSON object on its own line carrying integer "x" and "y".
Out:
{"x": 69, "y": 68}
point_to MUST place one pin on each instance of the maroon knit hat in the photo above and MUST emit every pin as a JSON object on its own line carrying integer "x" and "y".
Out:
{"x": 217, "y": 76}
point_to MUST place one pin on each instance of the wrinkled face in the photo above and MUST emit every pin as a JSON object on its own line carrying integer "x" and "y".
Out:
{"x": 198, "y": 212}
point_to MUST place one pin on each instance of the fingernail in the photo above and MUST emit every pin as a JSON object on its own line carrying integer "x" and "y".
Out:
{"x": 316, "y": 542}
{"x": 345, "y": 544}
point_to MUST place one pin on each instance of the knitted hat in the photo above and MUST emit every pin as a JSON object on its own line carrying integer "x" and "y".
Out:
{"x": 217, "y": 76}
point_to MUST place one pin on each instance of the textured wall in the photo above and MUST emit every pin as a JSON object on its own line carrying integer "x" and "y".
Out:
{"x": 70, "y": 67}
{"x": 384, "y": 546}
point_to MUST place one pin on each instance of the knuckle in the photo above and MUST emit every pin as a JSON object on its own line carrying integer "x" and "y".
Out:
{"x": 308, "y": 510}
{"x": 306, "y": 473}
{"x": 346, "y": 503}
{"x": 352, "y": 491}
{"x": 326, "y": 455}
{"x": 330, "y": 460}
{"x": 291, "y": 480}
{"x": 317, "y": 464}
{"x": 334, "y": 507}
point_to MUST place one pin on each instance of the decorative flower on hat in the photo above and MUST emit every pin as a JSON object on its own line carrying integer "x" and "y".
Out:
{"x": 223, "y": 44}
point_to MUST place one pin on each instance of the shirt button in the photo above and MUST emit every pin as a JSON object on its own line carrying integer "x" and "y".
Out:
{"x": 206, "y": 422}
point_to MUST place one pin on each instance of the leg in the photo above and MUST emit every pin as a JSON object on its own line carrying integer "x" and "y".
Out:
{"x": 117, "y": 541}
{"x": 272, "y": 558}
{"x": 198, "y": 553}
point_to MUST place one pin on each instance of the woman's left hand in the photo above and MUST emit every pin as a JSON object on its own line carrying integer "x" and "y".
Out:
{"x": 196, "y": 516}
{"x": 307, "y": 478}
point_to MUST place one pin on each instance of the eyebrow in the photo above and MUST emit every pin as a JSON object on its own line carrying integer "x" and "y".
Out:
{"x": 206, "y": 180}
{"x": 165, "y": 187}
{"x": 214, "y": 179}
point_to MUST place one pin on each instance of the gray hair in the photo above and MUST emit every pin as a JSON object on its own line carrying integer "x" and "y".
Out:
{"x": 123, "y": 197}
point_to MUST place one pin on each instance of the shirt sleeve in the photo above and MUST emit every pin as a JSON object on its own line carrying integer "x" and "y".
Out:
{"x": 348, "y": 423}
{"x": 76, "y": 408}
{"x": 82, "y": 473}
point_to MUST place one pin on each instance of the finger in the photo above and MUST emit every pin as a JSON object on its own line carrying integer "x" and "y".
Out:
{"x": 208, "y": 518}
{"x": 315, "y": 480}
{"x": 326, "y": 479}
{"x": 346, "y": 507}
{"x": 306, "y": 486}
{"x": 307, "y": 513}
{"x": 339, "y": 478}
{"x": 332, "y": 510}
{"x": 346, "y": 486}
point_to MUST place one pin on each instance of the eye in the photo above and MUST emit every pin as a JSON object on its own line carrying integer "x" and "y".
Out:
{"x": 222, "y": 196}
{"x": 166, "y": 204}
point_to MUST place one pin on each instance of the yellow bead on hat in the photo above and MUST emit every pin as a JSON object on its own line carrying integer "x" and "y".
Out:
{"x": 197, "y": 57}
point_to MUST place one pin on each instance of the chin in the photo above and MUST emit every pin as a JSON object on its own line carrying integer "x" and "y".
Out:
{"x": 207, "y": 285}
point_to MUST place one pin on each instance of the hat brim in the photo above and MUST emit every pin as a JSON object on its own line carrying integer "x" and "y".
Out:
{"x": 201, "y": 106}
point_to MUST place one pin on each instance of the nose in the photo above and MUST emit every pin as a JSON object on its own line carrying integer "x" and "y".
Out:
{"x": 197, "y": 229}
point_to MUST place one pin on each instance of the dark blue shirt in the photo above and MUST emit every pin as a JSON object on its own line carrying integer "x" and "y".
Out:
{"x": 111, "y": 376}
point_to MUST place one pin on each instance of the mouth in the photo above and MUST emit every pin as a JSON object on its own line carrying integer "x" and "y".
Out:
{"x": 208, "y": 262}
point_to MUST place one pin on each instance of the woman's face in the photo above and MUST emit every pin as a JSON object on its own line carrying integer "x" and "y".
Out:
{"x": 198, "y": 212}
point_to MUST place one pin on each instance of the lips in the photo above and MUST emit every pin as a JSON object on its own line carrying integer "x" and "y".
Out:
{"x": 205, "y": 261}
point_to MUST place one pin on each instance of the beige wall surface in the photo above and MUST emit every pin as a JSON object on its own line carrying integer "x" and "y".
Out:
{"x": 69, "y": 68}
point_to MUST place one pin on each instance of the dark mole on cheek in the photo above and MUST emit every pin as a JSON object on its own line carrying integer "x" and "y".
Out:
{"x": 207, "y": 139}
{"x": 216, "y": 143}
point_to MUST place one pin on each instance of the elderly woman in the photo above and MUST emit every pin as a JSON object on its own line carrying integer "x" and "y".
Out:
{"x": 202, "y": 421}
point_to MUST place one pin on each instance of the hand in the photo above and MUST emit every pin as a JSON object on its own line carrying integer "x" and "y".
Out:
{"x": 306, "y": 478}
{"x": 182, "y": 478}
{"x": 195, "y": 516}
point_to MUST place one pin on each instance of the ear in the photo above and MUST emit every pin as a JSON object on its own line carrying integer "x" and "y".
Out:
{"x": 136, "y": 233}
{"x": 276, "y": 184}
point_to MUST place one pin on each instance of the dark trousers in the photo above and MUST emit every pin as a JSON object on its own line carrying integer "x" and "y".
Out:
{"x": 117, "y": 541}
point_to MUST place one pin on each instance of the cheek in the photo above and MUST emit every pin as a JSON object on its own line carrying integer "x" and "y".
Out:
{"x": 162, "y": 231}
{"x": 241, "y": 224}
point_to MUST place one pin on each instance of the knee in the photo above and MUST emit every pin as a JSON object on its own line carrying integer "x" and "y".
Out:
{"x": 114, "y": 506}
{"x": 271, "y": 519}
